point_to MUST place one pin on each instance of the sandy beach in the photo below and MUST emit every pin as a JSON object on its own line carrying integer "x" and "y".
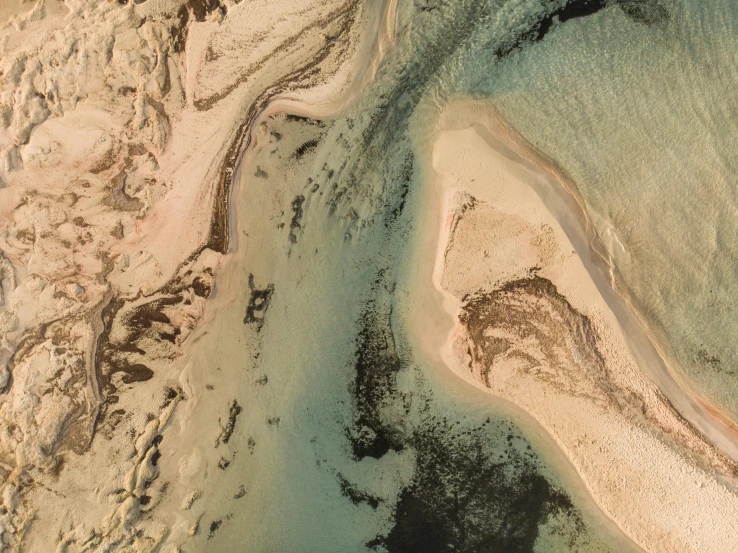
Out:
{"x": 118, "y": 158}
{"x": 531, "y": 326}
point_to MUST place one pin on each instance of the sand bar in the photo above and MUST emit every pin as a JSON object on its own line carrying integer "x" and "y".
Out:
{"x": 537, "y": 331}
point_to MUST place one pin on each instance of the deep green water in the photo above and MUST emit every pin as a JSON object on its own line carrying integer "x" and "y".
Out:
{"x": 361, "y": 444}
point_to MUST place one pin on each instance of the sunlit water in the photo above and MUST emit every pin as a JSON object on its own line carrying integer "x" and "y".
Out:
{"x": 348, "y": 438}
{"x": 644, "y": 120}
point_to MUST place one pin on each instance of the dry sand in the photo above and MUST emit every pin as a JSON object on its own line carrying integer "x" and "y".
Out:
{"x": 121, "y": 125}
{"x": 531, "y": 326}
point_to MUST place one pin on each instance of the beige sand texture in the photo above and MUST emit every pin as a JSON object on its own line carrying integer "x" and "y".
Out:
{"x": 533, "y": 328}
{"x": 121, "y": 125}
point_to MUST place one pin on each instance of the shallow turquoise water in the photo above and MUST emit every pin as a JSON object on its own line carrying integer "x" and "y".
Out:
{"x": 359, "y": 443}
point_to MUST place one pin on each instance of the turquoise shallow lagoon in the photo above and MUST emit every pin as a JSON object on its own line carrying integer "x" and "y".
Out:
{"x": 357, "y": 441}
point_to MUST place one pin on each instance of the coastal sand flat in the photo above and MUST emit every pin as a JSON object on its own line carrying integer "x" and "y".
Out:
{"x": 534, "y": 329}
{"x": 118, "y": 153}
{"x": 122, "y": 124}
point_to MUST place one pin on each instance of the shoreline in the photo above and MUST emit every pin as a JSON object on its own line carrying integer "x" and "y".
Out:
{"x": 361, "y": 73}
{"x": 680, "y": 439}
{"x": 434, "y": 322}
{"x": 559, "y": 194}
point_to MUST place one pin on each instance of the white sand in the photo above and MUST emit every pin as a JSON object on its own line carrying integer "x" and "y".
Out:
{"x": 662, "y": 483}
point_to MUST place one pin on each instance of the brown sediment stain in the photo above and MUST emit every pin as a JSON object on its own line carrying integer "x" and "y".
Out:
{"x": 529, "y": 323}
{"x": 202, "y": 8}
{"x": 218, "y": 239}
{"x": 112, "y": 420}
{"x": 199, "y": 10}
{"x": 346, "y": 15}
{"x": 178, "y": 30}
{"x": 138, "y": 327}
{"x": 117, "y": 199}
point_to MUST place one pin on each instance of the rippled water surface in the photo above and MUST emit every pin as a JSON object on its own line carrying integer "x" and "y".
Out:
{"x": 356, "y": 441}
{"x": 643, "y": 118}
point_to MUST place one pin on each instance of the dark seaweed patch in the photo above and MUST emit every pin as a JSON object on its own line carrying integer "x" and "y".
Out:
{"x": 357, "y": 497}
{"x": 258, "y": 304}
{"x": 704, "y": 358}
{"x": 404, "y": 177}
{"x": 301, "y": 119}
{"x": 227, "y": 431}
{"x": 466, "y": 497}
{"x": 375, "y": 385}
{"x": 297, "y": 213}
{"x": 201, "y": 287}
{"x": 214, "y": 527}
{"x": 647, "y": 12}
{"x": 308, "y": 146}
{"x": 426, "y": 5}
{"x": 383, "y": 143}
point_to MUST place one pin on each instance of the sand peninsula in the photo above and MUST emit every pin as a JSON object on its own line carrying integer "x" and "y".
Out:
{"x": 532, "y": 326}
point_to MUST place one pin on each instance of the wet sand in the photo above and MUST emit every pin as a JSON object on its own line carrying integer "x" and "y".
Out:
{"x": 142, "y": 177}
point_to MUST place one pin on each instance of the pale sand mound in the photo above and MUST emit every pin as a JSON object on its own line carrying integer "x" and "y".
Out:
{"x": 533, "y": 328}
